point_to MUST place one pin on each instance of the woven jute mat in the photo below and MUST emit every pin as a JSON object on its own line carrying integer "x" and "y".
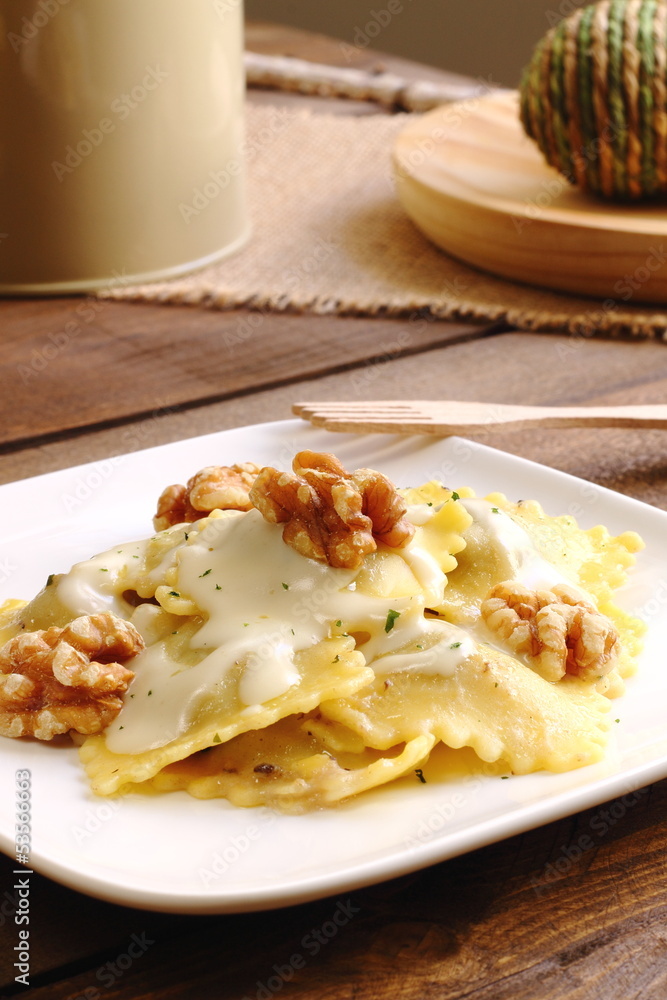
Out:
{"x": 329, "y": 236}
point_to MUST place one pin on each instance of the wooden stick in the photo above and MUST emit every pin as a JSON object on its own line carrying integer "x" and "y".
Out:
{"x": 387, "y": 89}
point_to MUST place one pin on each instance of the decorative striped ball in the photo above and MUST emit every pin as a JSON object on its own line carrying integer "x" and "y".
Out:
{"x": 594, "y": 98}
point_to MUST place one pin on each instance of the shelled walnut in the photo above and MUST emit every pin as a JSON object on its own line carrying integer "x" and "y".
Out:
{"x": 558, "y": 630}
{"x": 329, "y": 514}
{"x": 217, "y": 487}
{"x": 61, "y": 679}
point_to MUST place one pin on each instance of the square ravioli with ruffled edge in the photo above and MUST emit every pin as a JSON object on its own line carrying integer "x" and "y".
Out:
{"x": 303, "y": 637}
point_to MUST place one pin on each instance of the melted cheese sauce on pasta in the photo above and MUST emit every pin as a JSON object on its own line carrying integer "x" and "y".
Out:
{"x": 260, "y": 602}
{"x": 257, "y": 602}
{"x": 514, "y": 544}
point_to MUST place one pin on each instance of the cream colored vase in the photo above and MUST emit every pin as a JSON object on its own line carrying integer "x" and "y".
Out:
{"x": 121, "y": 141}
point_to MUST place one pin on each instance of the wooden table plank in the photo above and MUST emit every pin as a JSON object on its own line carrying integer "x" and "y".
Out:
{"x": 72, "y": 363}
{"x": 55, "y": 943}
{"x": 575, "y": 909}
{"x": 506, "y": 368}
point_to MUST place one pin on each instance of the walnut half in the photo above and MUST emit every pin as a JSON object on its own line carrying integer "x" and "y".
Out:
{"x": 217, "y": 487}
{"x": 559, "y": 631}
{"x": 59, "y": 679}
{"x": 329, "y": 514}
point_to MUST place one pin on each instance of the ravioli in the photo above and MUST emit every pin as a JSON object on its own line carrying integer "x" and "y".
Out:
{"x": 270, "y": 678}
{"x": 490, "y": 702}
{"x": 292, "y": 765}
{"x": 331, "y": 665}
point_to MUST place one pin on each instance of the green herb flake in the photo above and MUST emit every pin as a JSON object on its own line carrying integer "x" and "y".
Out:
{"x": 103, "y": 569}
{"x": 120, "y": 727}
{"x": 216, "y": 739}
{"x": 336, "y": 659}
{"x": 286, "y": 586}
{"x": 51, "y": 577}
{"x": 187, "y": 535}
{"x": 455, "y": 496}
{"x": 494, "y": 510}
{"x": 420, "y": 775}
{"x": 391, "y": 618}
{"x": 339, "y": 623}
{"x": 149, "y": 694}
{"x": 174, "y": 593}
{"x": 429, "y": 503}
{"x": 218, "y": 587}
{"x": 205, "y": 573}
{"x": 504, "y": 777}
{"x": 617, "y": 720}
{"x": 455, "y": 645}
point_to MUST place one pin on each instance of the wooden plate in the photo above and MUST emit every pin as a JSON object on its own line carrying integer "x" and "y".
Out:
{"x": 479, "y": 189}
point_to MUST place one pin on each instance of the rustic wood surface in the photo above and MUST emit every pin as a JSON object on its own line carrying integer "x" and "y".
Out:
{"x": 575, "y": 910}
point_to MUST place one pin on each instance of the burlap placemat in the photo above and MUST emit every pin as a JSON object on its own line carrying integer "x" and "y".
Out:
{"x": 329, "y": 236}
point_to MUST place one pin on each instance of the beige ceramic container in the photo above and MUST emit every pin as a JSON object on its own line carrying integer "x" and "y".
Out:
{"x": 121, "y": 140}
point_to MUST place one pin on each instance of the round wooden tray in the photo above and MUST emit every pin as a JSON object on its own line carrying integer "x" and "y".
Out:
{"x": 480, "y": 189}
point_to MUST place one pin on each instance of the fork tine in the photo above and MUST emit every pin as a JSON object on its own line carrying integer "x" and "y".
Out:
{"x": 466, "y": 417}
{"x": 388, "y": 407}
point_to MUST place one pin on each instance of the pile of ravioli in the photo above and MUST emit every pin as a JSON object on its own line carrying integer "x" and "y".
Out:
{"x": 271, "y": 679}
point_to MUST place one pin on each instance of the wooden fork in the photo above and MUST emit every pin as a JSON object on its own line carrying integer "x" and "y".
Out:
{"x": 415, "y": 416}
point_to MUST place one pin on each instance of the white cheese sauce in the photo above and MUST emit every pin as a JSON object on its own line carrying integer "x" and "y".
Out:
{"x": 261, "y": 602}
{"x": 515, "y": 547}
{"x": 434, "y": 647}
{"x": 97, "y": 584}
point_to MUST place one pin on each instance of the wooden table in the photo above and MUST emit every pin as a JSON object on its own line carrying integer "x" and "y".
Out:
{"x": 508, "y": 921}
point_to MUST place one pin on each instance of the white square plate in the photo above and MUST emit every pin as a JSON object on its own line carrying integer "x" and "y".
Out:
{"x": 175, "y": 853}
